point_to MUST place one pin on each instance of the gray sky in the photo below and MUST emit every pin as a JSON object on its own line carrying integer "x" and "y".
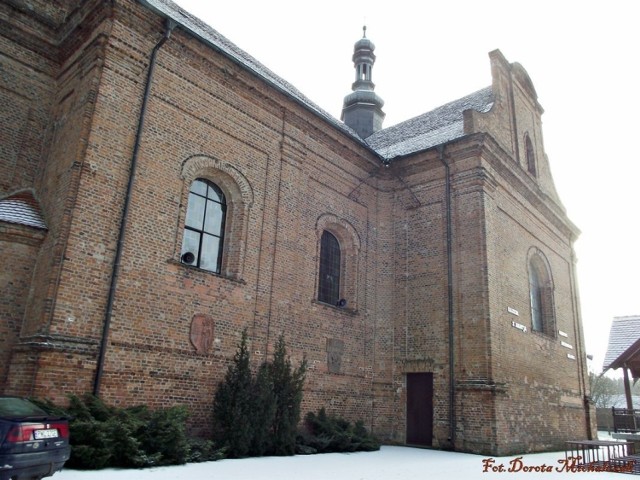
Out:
{"x": 582, "y": 57}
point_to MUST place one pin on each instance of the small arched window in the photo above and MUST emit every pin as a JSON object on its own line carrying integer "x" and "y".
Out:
{"x": 531, "y": 158}
{"x": 541, "y": 295}
{"x": 204, "y": 226}
{"x": 329, "y": 271}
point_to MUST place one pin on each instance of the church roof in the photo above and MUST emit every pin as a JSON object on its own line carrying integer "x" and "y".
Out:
{"x": 197, "y": 27}
{"x": 433, "y": 128}
{"x": 422, "y": 132}
{"x": 623, "y": 339}
{"x": 22, "y": 208}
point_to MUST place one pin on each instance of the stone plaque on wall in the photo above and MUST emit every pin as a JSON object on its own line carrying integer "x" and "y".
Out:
{"x": 334, "y": 354}
{"x": 201, "y": 336}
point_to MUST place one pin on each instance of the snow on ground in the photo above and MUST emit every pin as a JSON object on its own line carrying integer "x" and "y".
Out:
{"x": 390, "y": 463}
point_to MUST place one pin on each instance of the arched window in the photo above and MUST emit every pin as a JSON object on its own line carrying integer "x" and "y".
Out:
{"x": 204, "y": 226}
{"x": 535, "y": 291}
{"x": 329, "y": 271}
{"x": 531, "y": 158}
{"x": 541, "y": 295}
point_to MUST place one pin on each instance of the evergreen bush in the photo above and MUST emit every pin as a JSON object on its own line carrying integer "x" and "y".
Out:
{"x": 201, "y": 450}
{"x": 287, "y": 387}
{"x": 104, "y": 436}
{"x": 258, "y": 415}
{"x": 324, "y": 433}
{"x": 264, "y": 411}
{"x": 233, "y": 405}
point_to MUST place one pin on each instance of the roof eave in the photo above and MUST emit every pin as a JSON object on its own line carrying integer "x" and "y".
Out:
{"x": 333, "y": 122}
{"x": 625, "y": 357}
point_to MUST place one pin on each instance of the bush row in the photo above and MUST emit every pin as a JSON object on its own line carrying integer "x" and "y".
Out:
{"x": 254, "y": 415}
{"x": 135, "y": 437}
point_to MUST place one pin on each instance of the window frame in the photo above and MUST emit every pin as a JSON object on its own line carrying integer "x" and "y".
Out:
{"x": 530, "y": 155}
{"x": 330, "y": 269}
{"x": 213, "y": 197}
{"x": 541, "y": 294}
{"x": 536, "y": 301}
{"x": 239, "y": 198}
{"x": 350, "y": 245}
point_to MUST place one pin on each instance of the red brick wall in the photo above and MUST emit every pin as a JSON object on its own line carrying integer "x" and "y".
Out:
{"x": 287, "y": 175}
{"x": 19, "y": 245}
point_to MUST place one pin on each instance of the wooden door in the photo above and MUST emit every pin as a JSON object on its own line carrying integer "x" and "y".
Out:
{"x": 420, "y": 409}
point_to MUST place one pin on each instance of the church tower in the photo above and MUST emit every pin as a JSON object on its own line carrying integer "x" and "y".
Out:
{"x": 362, "y": 109}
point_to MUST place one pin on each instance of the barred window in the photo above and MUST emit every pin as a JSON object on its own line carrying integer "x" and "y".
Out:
{"x": 204, "y": 226}
{"x": 329, "y": 281}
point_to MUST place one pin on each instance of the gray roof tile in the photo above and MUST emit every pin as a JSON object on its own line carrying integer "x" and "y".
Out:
{"x": 438, "y": 126}
{"x": 625, "y": 331}
{"x": 22, "y": 208}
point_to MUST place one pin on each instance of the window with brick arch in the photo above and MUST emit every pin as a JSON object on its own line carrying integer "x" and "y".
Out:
{"x": 541, "y": 296}
{"x": 329, "y": 271}
{"x": 531, "y": 158}
{"x": 203, "y": 240}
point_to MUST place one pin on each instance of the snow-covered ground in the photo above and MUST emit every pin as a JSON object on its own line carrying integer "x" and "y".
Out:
{"x": 390, "y": 463}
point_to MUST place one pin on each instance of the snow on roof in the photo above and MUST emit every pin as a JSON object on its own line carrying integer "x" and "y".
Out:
{"x": 438, "y": 126}
{"x": 22, "y": 208}
{"x": 197, "y": 27}
{"x": 625, "y": 331}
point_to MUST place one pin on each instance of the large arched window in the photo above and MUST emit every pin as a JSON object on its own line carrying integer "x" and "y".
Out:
{"x": 329, "y": 271}
{"x": 541, "y": 295}
{"x": 204, "y": 226}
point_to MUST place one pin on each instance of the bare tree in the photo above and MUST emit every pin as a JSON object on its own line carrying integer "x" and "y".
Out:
{"x": 604, "y": 390}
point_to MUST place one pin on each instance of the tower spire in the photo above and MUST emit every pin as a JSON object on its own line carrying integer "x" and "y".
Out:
{"x": 362, "y": 109}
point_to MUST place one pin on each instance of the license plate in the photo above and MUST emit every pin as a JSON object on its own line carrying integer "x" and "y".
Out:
{"x": 48, "y": 433}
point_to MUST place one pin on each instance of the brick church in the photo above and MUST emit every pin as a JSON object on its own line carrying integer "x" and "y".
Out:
{"x": 161, "y": 191}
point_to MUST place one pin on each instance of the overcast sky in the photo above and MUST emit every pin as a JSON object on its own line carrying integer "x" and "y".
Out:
{"x": 582, "y": 57}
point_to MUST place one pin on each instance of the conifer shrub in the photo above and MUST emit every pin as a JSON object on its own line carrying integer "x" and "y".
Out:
{"x": 102, "y": 436}
{"x": 258, "y": 414}
{"x": 203, "y": 450}
{"x": 264, "y": 412}
{"x": 322, "y": 433}
{"x": 287, "y": 385}
{"x": 233, "y": 405}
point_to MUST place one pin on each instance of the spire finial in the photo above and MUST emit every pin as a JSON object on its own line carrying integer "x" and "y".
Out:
{"x": 364, "y": 31}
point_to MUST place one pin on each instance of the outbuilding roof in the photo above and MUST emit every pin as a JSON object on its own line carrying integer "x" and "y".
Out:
{"x": 624, "y": 344}
{"x": 23, "y": 209}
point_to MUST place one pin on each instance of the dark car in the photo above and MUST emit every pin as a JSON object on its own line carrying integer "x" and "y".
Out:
{"x": 33, "y": 443}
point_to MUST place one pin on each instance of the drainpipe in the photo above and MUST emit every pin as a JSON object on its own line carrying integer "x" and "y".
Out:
{"x": 452, "y": 382}
{"x": 586, "y": 400}
{"x": 170, "y": 25}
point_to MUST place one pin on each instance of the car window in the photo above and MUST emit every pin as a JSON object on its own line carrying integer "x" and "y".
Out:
{"x": 18, "y": 407}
